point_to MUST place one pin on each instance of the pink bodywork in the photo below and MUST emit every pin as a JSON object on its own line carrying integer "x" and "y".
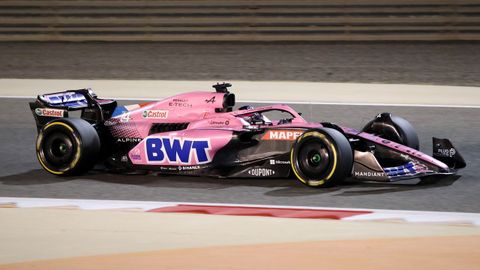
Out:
{"x": 198, "y": 110}
{"x": 393, "y": 145}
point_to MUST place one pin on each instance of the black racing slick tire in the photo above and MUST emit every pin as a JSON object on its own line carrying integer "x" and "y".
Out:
{"x": 395, "y": 129}
{"x": 68, "y": 146}
{"x": 321, "y": 157}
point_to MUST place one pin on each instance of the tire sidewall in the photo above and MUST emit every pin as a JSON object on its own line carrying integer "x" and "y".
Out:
{"x": 86, "y": 144}
{"x": 340, "y": 156}
{"x": 407, "y": 132}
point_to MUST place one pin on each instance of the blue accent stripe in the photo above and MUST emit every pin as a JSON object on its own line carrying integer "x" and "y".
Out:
{"x": 404, "y": 170}
{"x": 119, "y": 110}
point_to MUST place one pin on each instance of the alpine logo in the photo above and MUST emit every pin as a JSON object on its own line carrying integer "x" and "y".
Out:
{"x": 282, "y": 135}
{"x": 155, "y": 114}
{"x": 49, "y": 112}
{"x": 176, "y": 151}
{"x": 261, "y": 172}
{"x": 211, "y": 100}
{"x": 128, "y": 140}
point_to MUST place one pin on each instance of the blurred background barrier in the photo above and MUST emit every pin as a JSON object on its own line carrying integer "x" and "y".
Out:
{"x": 232, "y": 20}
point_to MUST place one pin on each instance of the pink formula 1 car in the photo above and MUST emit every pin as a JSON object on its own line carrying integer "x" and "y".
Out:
{"x": 200, "y": 134}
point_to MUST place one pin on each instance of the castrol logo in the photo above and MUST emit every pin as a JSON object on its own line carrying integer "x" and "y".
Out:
{"x": 49, "y": 112}
{"x": 155, "y": 114}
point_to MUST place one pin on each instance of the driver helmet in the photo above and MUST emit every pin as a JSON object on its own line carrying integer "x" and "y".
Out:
{"x": 252, "y": 118}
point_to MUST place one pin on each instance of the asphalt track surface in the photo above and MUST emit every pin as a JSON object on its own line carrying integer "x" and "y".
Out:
{"x": 441, "y": 63}
{"x": 21, "y": 175}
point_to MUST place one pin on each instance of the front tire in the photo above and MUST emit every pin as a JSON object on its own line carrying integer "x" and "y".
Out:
{"x": 67, "y": 146}
{"x": 321, "y": 157}
{"x": 393, "y": 128}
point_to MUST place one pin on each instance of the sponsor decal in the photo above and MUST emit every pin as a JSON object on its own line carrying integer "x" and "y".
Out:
{"x": 176, "y": 151}
{"x": 136, "y": 154}
{"x": 168, "y": 168}
{"x": 446, "y": 152}
{"x": 281, "y": 162}
{"x": 128, "y": 140}
{"x": 49, "y": 112}
{"x": 188, "y": 168}
{"x": 111, "y": 122}
{"x": 219, "y": 123}
{"x": 211, "y": 100}
{"x": 155, "y": 114}
{"x": 180, "y": 102}
{"x": 370, "y": 174}
{"x": 281, "y": 135}
{"x": 261, "y": 172}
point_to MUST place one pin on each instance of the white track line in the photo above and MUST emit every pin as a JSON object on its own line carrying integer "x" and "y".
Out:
{"x": 298, "y": 102}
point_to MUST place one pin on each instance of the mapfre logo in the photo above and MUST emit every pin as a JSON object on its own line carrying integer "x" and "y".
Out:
{"x": 155, "y": 114}
{"x": 49, "y": 112}
{"x": 282, "y": 135}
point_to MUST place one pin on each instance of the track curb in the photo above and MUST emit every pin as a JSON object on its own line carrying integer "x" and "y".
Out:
{"x": 347, "y": 214}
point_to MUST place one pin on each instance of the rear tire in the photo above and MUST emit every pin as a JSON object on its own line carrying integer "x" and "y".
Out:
{"x": 67, "y": 146}
{"x": 321, "y": 157}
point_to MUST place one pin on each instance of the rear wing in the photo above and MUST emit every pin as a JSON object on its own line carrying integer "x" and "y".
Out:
{"x": 47, "y": 107}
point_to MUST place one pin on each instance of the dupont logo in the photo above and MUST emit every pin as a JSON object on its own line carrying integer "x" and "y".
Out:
{"x": 282, "y": 135}
{"x": 49, "y": 112}
{"x": 155, "y": 114}
{"x": 261, "y": 172}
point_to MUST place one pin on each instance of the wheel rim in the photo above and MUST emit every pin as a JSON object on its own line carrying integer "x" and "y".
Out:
{"x": 314, "y": 159}
{"x": 58, "y": 149}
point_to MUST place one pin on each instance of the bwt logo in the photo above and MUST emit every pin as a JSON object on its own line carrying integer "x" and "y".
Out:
{"x": 177, "y": 151}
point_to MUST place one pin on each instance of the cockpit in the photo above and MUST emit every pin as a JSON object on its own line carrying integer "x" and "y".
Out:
{"x": 269, "y": 116}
